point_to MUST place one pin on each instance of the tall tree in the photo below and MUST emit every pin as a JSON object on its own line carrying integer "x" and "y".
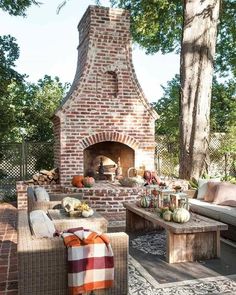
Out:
{"x": 157, "y": 25}
{"x": 196, "y": 72}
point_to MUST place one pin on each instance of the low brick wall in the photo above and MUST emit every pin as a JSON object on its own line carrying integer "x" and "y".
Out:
{"x": 103, "y": 197}
{"x": 107, "y": 198}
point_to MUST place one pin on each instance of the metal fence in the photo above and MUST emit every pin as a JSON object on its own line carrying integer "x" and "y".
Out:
{"x": 19, "y": 161}
{"x": 221, "y": 163}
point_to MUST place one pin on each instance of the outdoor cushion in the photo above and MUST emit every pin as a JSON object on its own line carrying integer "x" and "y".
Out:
{"x": 41, "y": 225}
{"x": 202, "y": 186}
{"x": 225, "y": 194}
{"x": 41, "y": 194}
{"x": 225, "y": 214}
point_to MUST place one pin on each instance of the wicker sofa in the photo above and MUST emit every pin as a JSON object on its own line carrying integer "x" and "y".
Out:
{"x": 54, "y": 203}
{"x": 42, "y": 263}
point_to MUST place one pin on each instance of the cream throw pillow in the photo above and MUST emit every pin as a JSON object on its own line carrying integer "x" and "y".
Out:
{"x": 41, "y": 225}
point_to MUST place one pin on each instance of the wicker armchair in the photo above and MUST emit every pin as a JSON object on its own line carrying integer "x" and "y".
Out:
{"x": 54, "y": 203}
{"x": 42, "y": 263}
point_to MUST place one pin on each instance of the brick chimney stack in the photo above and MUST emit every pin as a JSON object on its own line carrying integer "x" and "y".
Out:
{"x": 105, "y": 113}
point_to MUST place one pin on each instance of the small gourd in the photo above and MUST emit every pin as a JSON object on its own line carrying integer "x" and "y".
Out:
{"x": 145, "y": 201}
{"x": 181, "y": 215}
{"x": 87, "y": 213}
{"x": 88, "y": 181}
{"x": 167, "y": 215}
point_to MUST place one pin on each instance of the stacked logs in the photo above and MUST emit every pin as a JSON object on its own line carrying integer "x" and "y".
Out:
{"x": 45, "y": 177}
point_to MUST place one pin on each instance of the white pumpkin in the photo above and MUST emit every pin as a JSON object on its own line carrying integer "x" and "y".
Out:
{"x": 87, "y": 213}
{"x": 181, "y": 215}
{"x": 70, "y": 204}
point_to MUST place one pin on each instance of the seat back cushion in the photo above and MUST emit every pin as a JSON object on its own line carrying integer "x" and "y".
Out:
{"x": 225, "y": 194}
{"x": 211, "y": 191}
{"x": 202, "y": 186}
{"x": 41, "y": 225}
{"x": 41, "y": 194}
{"x": 31, "y": 194}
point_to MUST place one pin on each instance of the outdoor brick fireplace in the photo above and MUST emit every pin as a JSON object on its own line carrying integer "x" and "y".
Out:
{"x": 105, "y": 114}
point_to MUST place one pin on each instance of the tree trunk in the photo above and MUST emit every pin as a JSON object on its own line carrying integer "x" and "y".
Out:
{"x": 196, "y": 70}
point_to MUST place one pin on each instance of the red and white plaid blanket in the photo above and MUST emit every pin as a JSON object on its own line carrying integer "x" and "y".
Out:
{"x": 90, "y": 260}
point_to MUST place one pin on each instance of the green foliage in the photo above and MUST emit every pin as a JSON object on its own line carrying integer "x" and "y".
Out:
{"x": 157, "y": 26}
{"x": 17, "y": 7}
{"x": 32, "y": 106}
{"x": 168, "y": 109}
{"x": 9, "y": 53}
{"x": 226, "y": 39}
{"x": 223, "y": 110}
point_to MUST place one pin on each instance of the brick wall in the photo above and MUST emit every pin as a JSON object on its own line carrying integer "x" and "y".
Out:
{"x": 105, "y": 102}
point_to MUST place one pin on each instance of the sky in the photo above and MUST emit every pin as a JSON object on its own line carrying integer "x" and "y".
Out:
{"x": 48, "y": 45}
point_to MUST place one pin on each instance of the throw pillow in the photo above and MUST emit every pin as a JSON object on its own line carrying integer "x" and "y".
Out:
{"x": 41, "y": 194}
{"x": 211, "y": 190}
{"x": 202, "y": 186}
{"x": 225, "y": 194}
{"x": 41, "y": 225}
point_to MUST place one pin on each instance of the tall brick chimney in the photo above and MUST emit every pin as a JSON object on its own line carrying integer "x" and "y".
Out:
{"x": 105, "y": 114}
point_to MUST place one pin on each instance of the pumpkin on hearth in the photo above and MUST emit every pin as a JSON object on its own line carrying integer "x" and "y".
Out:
{"x": 88, "y": 181}
{"x": 77, "y": 180}
{"x": 181, "y": 215}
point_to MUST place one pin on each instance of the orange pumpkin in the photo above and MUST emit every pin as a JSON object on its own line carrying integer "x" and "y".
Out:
{"x": 77, "y": 180}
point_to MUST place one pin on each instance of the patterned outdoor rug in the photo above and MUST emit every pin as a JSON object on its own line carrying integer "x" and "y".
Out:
{"x": 141, "y": 282}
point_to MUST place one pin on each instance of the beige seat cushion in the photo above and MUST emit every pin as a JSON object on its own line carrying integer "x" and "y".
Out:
{"x": 225, "y": 194}
{"x": 224, "y": 214}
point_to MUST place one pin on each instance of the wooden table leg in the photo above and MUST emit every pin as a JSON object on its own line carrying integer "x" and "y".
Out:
{"x": 136, "y": 223}
{"x": 192, "y": 247}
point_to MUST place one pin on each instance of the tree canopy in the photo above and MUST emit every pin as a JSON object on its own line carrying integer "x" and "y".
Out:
{"x": 156, "y": 25}
{"x": 17, "y": 7}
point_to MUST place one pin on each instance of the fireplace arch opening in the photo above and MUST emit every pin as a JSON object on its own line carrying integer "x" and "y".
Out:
{"x": 112, "y": 154}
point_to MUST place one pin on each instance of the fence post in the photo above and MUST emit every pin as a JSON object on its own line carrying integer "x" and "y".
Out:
{"x": 226, "y": 164}
{"x": 23, "y": 159}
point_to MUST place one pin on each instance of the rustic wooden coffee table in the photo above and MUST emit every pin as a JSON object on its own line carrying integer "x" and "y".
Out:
{"x": 197, "y": 239}
{"x": 62, "y": 221}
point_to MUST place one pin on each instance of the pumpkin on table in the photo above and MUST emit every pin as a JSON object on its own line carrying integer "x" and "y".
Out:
{"x": 181, "y": 215}
{"x": 145, "y": 201}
